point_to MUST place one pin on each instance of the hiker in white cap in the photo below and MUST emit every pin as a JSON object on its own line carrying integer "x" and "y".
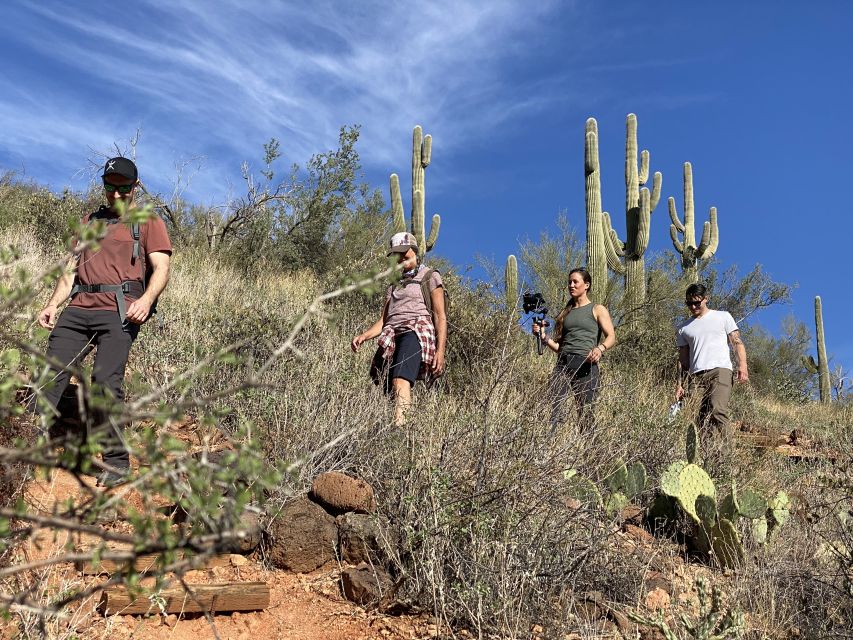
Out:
{"x": 412, "y": 329}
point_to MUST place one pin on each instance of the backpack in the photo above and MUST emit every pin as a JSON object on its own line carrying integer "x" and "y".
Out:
{"x": 146, "y": 270}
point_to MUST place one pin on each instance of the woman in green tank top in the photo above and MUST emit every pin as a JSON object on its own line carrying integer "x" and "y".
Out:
{"x": 582, "y": 333}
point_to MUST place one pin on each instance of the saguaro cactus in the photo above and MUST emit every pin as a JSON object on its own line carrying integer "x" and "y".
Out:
{"x": 421, "y": 155}
{"x": 511, "y": 282}
{"x": 821, "y": 367}
{"x": 690, "y": 253}
{"x": 596, "y": 256}
{"x": 639, "y": 205}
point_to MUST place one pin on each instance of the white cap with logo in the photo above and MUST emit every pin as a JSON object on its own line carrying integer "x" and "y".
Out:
{"x": 402, "y": 242}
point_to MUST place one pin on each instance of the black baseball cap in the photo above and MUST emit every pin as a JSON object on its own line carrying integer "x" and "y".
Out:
{"x": 121, "y": 166}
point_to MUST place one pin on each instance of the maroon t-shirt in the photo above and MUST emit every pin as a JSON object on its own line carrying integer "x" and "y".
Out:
{"x": 112, "y": 262}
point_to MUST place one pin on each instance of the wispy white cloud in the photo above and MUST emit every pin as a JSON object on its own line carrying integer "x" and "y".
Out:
{"x": 218, "y": 80}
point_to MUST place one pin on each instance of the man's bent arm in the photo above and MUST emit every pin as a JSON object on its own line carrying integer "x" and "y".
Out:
{"x": 159, "y": 261}
{"x": 740, "y": 353}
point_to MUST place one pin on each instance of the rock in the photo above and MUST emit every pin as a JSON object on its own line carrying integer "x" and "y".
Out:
{"x": 633, "y": 514}
{"x": 170, "y": 620}
{"x": 302, "y": 536}
{"x": 250, "y": 525}
{"x": 638, "y": 533}
{"x": 365, "y": 584}
{"x": 656, "y": 580}
{"x": 590, "y": 607}
{"x": 657, "y": 600}
{"x": 237, "y": 560}
{"x": 360, "y": 538}
{"x": 339, "y": 493}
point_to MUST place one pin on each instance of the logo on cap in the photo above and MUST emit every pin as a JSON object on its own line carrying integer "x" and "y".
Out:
{"x": 111, "y": 165}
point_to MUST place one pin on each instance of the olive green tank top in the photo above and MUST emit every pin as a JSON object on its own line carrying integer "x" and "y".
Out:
{"x": 580, "y": 331}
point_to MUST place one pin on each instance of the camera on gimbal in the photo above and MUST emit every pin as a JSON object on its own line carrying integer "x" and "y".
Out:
{"x": 535, "y": 303}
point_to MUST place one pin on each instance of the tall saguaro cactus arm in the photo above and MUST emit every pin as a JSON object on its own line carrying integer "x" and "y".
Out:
{"x": 690, "y": 253}
{"x": 596, "y": 234}
{"x": 421, "y": 156}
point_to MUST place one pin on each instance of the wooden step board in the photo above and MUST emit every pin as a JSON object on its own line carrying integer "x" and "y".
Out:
{"x": 145, "y": 563}
{"x": 232, "y": 596}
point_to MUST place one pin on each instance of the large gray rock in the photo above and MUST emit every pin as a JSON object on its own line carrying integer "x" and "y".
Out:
{"x": 361, "y": 538}
{"x": 365, "y": 584}
{"x": 302, "y": 537}
{"x": 339, "y": 493}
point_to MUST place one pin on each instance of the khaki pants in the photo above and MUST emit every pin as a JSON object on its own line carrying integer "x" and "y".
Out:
{"x": 713, "y": 390}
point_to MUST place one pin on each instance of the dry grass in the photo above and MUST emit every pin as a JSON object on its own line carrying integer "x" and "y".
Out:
{"x": 473, "y": 486}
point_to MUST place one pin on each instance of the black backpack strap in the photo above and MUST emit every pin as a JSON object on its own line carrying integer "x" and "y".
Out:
{"x": 425, "y": 289}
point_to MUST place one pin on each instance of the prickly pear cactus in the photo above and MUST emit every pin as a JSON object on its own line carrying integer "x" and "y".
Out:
{"x": 706, "y": 510}
{"x": 729, "y": 507}
{"x": 614, "y": 503}
{"x": 615, "y": 481}
{"x": 421, "y": 156}
{"x": 759, "y": 530}
{"x": 685, "y": 482}
{"x": 728, "y": 548}
{"x": 692, "y": 443}
{"x": 636, "y": 479}
{"x": 582, "y": 489}
{"x": 778, "y": 510}
{"x": 751, "y": 505}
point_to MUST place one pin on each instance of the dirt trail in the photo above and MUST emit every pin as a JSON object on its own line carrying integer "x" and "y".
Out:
{"x": 306, "y": 606}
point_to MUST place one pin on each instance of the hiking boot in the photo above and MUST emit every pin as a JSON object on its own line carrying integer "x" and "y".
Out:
{"x": 110, "y": 479}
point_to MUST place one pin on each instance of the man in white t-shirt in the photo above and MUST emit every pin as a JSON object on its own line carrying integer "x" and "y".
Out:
{"x": 704, "y": 359}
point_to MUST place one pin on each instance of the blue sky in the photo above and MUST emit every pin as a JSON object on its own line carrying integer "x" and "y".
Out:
{"x": 755, "y": 94}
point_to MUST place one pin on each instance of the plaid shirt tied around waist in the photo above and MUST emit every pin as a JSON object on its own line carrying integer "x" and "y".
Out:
{"x": 424, "y": 330}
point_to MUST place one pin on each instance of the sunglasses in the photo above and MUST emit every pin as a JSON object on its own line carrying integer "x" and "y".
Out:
{"x": 694, "y": 303}
{"x": 121, "y": 188}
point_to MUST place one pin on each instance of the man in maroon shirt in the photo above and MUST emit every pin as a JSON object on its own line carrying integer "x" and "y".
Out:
{"x": 112, "y": 291}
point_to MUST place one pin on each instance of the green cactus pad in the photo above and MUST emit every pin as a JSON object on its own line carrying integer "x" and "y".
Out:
{"x": 779, "y": 509}
{"x": 729, "y": 507}
{"x": 614, "y": 504}
{"x": 635, "y": 482}
{"x": 583, "y": 490}
{"x": 727, "y": 545}
{"x": 669, "y": 481}
{"x": 706, "y": 509}
{"x": 618, "y": 476}
{"x": 692, "y": 444}
{"x": 690, "y": 483}
{"x": 751, "y": 505}
{"x": 759, "y": 530}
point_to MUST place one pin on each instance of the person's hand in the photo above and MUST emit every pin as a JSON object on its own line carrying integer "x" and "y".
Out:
{"x": 742, "y": 375}
{"x": 679, "y": 393}
{"x": 594, "y": 354}
{"x": 437, "y": 367}
{"x": 47, "y": 316}
{"x": 536, "y": 329}
{"x": 357, "y": 342}
{"x": 138, "y": 310}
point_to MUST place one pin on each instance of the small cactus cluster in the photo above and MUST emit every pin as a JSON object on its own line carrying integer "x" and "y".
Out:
{"x": 821, "y": 367}
{"x": 421, "y": 156}
{"x": 690, "y": 253}
{"x": 623, "y": 483}
{"x": 714, "y": 622}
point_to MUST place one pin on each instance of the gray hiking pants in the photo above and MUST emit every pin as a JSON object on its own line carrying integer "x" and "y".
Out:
{"x": 76, "y": 334}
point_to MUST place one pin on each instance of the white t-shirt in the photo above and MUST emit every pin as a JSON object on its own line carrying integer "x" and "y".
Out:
{"x": 708, "y": 339}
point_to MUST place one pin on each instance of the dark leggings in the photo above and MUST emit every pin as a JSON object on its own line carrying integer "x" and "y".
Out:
{"x": 576, "y": 378}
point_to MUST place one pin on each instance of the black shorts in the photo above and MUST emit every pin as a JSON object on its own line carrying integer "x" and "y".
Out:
{"x": 405, "y": 364}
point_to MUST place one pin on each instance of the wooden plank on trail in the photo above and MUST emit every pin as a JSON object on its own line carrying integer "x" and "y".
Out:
{"x": 232, "y": 596}
{"x": 147, "y": 562}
